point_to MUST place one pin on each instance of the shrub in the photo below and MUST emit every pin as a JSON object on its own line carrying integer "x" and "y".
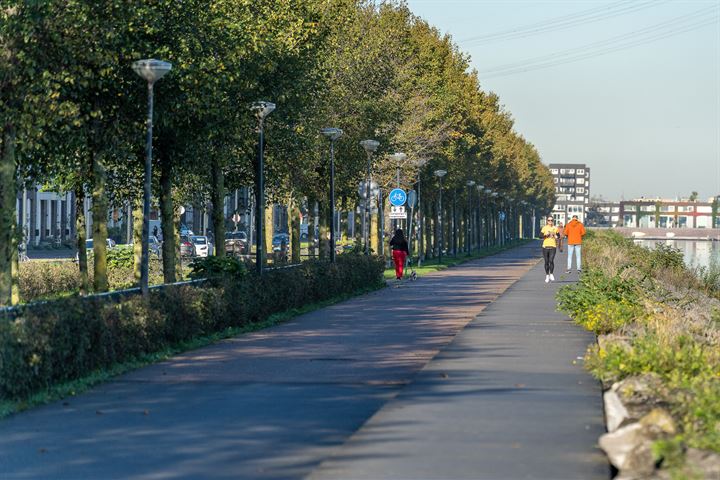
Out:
{"x": 210, "y": 267}
{"x": 45, "y": 343}
{"x": 121, "y": 256}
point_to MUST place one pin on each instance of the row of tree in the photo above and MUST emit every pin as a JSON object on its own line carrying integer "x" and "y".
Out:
{"x": 72, "y": 110}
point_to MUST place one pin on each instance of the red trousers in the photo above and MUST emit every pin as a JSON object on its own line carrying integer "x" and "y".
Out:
{"x": 399, "y": 259}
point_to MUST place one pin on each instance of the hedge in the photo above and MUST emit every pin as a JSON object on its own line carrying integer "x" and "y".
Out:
{"x": 51, "y": 342}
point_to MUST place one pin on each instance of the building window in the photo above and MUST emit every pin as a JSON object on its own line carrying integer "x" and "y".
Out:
{"x": 581, "y": 171}
{"x": 580, "y": 181}
{"x": 554, "y": 171}
{"x": 580, "y": 190}
{"x": 571, "y": 171}
{"x": 554, "y": 180}
{"x": 562, "y": 171}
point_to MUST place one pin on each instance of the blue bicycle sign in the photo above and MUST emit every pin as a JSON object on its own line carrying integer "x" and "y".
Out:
{"x": 398, "y": 197}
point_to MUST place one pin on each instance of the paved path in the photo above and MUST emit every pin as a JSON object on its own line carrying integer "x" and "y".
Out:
{"x": 278, "y": 403}
{"x": 507, "y": 399}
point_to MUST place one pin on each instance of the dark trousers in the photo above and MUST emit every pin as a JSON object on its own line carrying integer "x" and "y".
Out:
{"x": 549, "y": 257}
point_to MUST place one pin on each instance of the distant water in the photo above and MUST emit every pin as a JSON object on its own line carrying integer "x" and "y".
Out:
{"x": 696, "y": 252}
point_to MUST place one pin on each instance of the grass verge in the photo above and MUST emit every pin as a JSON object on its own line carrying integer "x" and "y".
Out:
{"x": 432, "y": 265}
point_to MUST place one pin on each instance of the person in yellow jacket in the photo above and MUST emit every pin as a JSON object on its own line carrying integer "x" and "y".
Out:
{"x": 549, "y": 234}
{"x": 574, "y": 232}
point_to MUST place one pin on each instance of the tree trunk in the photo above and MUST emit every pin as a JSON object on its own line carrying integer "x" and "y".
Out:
{"x": 218, "y": 211}
{"x": 269, "y": 228}
{"x": 7, "y": 213}
{"x": 295, "y": 229}
{"x": 428, "y": 218}
{"x": 324, "y": 241}
{"x": 167, "y": 219}
{"x": 80, "y": 230}
{"x": 312, "y": 207}
{"x": 137, "y": 215}
{"x": 374, "y": 234}
{"x": 99, "y": 215}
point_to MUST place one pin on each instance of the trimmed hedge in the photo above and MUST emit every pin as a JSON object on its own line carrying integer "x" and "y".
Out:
{"x": 52, "y": 342}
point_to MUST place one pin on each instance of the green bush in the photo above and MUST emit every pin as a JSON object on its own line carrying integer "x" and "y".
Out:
{"x": 121, "y": 256}
{"x": 210, "y": 267}
{"x": 46, "y": 343}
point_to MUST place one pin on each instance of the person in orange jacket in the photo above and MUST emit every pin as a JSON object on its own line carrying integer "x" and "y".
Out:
{"x": 574, "y": 232}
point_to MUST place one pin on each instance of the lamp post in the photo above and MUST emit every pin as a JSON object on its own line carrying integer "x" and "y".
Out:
{"x": 440, "y": 174}
{"x": 332, "y": 134}
{"x": 496, "y": 220}
{"x": 398, "y": 157}
{"x": 489, "y": 217}
{"x": 151, "y": 71}
{"x": 469, "y": 184}
{"x": 419, "y": 163}
{"x": 480, "y": 220}
{"x": 370, "y": 147}
{"x": 261, "y": 109}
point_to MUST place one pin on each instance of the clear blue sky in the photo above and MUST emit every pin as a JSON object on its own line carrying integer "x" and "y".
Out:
{"x": 646, "y": 119}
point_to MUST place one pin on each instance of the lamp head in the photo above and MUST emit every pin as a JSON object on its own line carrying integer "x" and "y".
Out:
{"x": 480, "y": 187}
{"x": 370, "y": 145}
{"x": 399, "y": 156}
{"x": 332, "y": 133}
{"x": 420, "y": 162}
{"x": 470, "y": 183}
{"x": 151, "y": 70}
{"x": 262, "y": 109}
{"x": 440, "y": 173}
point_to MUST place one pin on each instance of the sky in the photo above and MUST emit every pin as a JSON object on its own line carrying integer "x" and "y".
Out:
{"x": 631, "y": 88}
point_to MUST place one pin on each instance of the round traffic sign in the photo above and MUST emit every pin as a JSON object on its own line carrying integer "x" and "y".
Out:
{"x": 397, "y": 197}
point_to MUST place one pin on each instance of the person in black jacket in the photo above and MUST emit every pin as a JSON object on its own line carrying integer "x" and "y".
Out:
{"x": 399, "y": 247}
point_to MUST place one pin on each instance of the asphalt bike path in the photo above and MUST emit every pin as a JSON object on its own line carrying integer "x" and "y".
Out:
{"x": 272, "y": 404}
{"x": 507, "y": 399}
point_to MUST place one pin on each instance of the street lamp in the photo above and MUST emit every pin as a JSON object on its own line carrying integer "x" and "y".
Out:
{"x": 151, "y": 71}
{"x": 398, "y": 157}
{"x": 469, "y": 184}
{"x": 261, "y": 110}
{"x": 370, "y": 147}
{"x": 419, "y": 164}
{"x": 440, "y": 174}
{"x": 332, "y": 134}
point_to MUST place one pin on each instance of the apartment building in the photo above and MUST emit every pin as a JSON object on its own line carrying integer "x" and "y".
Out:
{"x": 663, "y": 213}
{"x": 572, "y": 191}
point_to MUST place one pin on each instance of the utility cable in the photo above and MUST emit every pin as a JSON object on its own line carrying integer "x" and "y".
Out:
{"x": 658, "y": 28}
{"x": 553, "y": 26}
{"x": 653, "y": 38}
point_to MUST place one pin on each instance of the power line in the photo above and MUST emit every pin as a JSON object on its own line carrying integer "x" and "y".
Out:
{"x": 547, "y": 22}
{"x": 667, "y": 25}
{"x": 562, "y": 23}
{"x": 650, "y": 39}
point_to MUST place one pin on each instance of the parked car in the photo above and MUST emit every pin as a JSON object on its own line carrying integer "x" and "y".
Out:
{"x": 187, "y": 249}
{"x": 185, "y": 231}
{"x": 89, "y": 245}
{"x": 236, "y": 243}
{"x": 278, "y": 240}
{"x": 202, "y": 247}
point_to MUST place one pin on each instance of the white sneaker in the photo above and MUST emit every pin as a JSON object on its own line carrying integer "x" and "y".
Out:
{"x": 552, "y": 277}
{"x": 547, "y": 278}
